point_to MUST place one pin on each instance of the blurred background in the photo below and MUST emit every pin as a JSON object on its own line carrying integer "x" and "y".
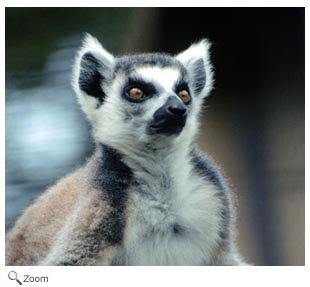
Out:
{"x": 253, "y": 124}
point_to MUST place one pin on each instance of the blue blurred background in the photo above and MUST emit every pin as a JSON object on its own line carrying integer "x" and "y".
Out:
{"x": 253, "y": 124}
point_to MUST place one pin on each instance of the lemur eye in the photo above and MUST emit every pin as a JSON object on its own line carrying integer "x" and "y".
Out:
{"x": 184, "y": 96}
{"x": 136, "y": 94}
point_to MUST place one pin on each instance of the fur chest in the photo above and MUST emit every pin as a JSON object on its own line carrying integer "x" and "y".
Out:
{"x": 171, "y": 223}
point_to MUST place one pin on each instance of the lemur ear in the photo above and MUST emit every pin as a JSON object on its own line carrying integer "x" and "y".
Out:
{"x": 92, "y": 69}
{"x": 196, "y": 60}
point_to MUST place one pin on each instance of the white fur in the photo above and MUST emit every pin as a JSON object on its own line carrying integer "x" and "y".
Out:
{"x": 90, "y": 44}
{"x": 164, "y": 77}
{"x": 200, "y": 50}
{"x": 188, "y": 202}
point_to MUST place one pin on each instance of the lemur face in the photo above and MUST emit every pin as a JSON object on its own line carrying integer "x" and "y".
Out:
{"x": 155, "y": 98}
{"x": 142, "y": 98}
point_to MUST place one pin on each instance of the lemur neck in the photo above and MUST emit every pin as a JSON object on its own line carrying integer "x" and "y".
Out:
{"x": 152, "y": 159}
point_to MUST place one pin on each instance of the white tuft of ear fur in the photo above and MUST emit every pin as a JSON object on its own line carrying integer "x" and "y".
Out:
{"x": 101, "y": 59}
{"x": 91, "y": 44}
{"x": 196, "y": 59}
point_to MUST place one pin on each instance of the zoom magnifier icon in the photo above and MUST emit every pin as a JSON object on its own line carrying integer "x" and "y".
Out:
{"x": 13, "y": 276}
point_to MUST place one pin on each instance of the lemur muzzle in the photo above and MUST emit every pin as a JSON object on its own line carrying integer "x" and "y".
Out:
{"x": 169, "y": 119}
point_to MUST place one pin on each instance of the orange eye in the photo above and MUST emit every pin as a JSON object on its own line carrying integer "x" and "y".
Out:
{"x": 184, "y": 96}
{"x": 136, "y": 94}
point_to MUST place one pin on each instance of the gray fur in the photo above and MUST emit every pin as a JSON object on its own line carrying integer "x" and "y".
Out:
{"x": 127, "y": 64}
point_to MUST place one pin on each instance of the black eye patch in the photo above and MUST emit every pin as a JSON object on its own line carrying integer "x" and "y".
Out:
{"x": 180, "y": 86}
{"x": 147, "y": 88}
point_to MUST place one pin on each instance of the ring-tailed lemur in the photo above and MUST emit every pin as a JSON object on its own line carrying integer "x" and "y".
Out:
{"x": 147, "y": 196}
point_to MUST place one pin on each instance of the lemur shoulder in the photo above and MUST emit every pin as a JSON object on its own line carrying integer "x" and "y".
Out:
{"x": 147, "y": 196}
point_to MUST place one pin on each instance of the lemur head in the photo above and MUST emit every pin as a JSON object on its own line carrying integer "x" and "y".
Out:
{"x": 148, "y": 99}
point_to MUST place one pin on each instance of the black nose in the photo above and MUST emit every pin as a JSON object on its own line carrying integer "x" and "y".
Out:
{"x": 168, "y": 119}
{"x": 174, "y": 107}
{"x": 176, "y": 110}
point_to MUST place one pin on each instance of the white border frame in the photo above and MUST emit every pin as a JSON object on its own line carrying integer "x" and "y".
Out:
{"x": 153, "y": 276}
